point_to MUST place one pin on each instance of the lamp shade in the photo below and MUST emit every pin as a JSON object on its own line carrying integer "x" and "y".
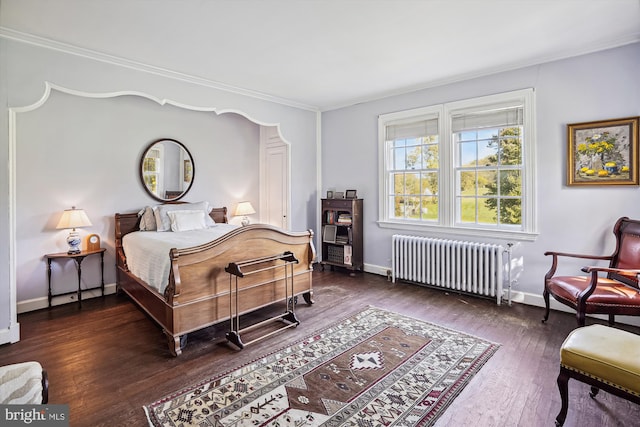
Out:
{"x": 74, "y": 218}
{"x": 244, "y": 208}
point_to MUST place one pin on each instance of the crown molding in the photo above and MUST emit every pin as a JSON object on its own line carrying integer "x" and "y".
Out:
{"x": 46, "y": 43}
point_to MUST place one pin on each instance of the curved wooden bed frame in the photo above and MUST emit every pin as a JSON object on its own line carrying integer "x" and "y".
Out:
{"x": 197, "y": 295}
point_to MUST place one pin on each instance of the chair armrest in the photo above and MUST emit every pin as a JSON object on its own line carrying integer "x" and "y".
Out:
{"x": 565, "y": 254}
{"x": 622, "y": 271}
{"x": 554, "y": 261}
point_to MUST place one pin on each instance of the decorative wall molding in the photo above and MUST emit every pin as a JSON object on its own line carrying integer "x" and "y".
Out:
{"x": 46, "y": 43}
{"x": 13, "y": 330}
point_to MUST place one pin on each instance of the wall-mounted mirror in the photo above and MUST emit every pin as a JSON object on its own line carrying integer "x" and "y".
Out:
{"x": 167, "y": 170}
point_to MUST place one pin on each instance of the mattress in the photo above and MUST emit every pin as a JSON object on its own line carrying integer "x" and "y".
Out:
{"x": 147, "y": 252}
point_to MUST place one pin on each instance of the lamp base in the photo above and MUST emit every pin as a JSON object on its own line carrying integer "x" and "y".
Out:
{"x": 73, "y": 240}
{"x": 245, "y": 221}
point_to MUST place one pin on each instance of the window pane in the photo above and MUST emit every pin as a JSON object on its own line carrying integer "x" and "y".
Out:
{"x": 491, "y": 133}
{"x": 466, "y": 136}
{"x": 430, "y": 156}
{"x": 412, "y": 207}
{"x": 488, "y": 152}
{"x": 467, "y": 209}
{"x": 399, "y": 158}
{"x": 467, "y": 183}
{"x": 412, "y": 183}
{"x": 511, "y": 211}
{"x": 398, "y": 206}
{"x": 468, "y": 154}
{"x": 429, "y": 184}
{"x": 398, "y": 183}
{"x": 487, "y": 182}
{"x": 510, "y": 183}
{"x": 430, "y": 208}
{"x": 414, "y": 157}
{"x": 510, "y": 146}
{"x": 149, "y": 164}
{"x": 487, "y": 211}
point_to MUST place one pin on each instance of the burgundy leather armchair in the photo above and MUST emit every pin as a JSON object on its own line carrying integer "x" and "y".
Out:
{"x": 611, "y": 290}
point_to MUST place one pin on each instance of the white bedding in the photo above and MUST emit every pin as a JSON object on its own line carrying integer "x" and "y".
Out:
{"x": 147, "y": 252}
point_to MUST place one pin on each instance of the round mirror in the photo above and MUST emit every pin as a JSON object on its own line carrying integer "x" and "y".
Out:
{"x": 166, "y": 170}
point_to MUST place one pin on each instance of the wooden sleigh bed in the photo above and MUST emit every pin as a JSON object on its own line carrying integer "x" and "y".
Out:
{"x": 198, "y": 293}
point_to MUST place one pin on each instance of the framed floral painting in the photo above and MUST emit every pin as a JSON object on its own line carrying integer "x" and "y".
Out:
{"x": 603, "y": 152}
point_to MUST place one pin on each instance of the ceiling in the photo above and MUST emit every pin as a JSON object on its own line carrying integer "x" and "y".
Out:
{"x": 326, "y": 54}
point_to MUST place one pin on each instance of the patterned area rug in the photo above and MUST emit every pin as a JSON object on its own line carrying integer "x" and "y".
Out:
{"x": 375, "y": 368}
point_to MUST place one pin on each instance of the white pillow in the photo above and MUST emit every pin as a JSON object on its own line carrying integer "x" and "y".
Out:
{"x": 187, "y": 220}
{"x": 163, "y": 222}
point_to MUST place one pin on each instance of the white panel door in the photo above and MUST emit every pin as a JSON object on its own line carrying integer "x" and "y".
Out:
{"x": 274, "y": 199}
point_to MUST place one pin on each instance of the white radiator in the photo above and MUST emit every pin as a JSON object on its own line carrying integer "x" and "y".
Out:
{"x": 469, "y": 267}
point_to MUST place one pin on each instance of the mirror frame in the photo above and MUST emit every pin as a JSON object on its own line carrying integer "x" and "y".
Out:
{"x": 141, "y": 173}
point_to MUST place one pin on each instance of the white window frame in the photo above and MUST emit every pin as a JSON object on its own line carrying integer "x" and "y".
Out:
{"x": 446, "y": 224}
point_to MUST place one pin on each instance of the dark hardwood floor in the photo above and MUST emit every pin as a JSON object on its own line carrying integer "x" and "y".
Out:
{"x": 108, "y": 359}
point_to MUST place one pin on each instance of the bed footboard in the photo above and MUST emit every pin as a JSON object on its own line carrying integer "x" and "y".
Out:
{"x": 197, "y": 295}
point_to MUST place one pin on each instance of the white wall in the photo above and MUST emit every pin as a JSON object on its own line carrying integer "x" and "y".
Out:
{"x": 598, "y": 86}
{"x": 86, "y": 152}
{"x": 105, "y": 137}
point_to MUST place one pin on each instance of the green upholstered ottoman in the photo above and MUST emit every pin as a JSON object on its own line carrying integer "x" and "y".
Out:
{"x": 603, "y": 357}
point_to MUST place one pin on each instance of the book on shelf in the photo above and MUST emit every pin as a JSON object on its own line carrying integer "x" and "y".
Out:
{"x": 342, "y": 239}
{"x": 330, "y": 217}
{"x": 344, "y": 219}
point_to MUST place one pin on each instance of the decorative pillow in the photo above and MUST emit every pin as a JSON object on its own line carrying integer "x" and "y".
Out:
{"x": 163, "y": 222}
{"x": 187, "y": 220}
{"x": 147, "y": 220}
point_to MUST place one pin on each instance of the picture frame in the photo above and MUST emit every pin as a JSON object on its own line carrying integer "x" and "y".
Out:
{"x": 603, "y": 152}
{"x": 351, "y": 194}
{"x": 338, "y": 195}
{"x": 329, "y": 194}
{"x": 329, "y": 233}
{"x": 187, "y": 171}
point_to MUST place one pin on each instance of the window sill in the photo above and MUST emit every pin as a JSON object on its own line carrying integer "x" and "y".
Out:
{"x": 442, "y": 231}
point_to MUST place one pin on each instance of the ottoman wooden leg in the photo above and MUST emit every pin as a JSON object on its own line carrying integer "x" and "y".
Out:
{"x": 563, "y": 387}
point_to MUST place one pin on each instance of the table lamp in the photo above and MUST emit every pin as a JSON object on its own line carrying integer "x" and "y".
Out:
{"x": 243, "y": 209}
{"x": 71, "y": 219}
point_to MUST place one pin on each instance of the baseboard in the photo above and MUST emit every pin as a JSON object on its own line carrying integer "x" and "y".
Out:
{"x": 526, "y": 298}
{"x": 10, "y": 334}
{"x": 43, "y": 302}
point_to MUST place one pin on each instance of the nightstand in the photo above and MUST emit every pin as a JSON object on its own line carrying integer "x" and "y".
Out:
{"x": 78, "y": 258}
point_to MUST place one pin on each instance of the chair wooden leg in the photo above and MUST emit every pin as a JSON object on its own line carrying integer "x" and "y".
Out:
{"x": 580, "y": 317}
{"x": 545, "y": 295}
{"x": 563, "y": 387}
{"x": 612, "y": 319}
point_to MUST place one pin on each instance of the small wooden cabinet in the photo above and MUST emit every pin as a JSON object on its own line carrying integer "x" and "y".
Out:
{"x": 342, "y": 233}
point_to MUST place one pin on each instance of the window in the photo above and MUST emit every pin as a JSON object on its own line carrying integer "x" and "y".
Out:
{"x": 151, "y": 169}
{"x": 461, "y": 167}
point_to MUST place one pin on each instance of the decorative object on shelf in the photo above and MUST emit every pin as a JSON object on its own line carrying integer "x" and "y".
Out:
{"x": 329, "y": 194}
{"x": 243, "y": 209}
{"x": 338, "y": 195}
{"x": 329, "y": 234}
{"x": 71, "y": 219}
{"x": 351, "y": 194}
{"x": 603, "y": 152}
{"x": 93, "y": 242}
